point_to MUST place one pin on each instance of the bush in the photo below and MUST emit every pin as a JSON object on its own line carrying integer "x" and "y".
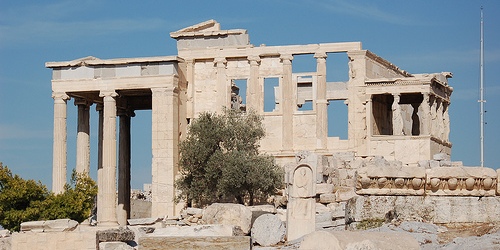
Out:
{"x": 27, "y": 200}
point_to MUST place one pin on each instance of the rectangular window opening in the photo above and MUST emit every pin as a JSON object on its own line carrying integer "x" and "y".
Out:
{"x": 271, "y": 94}
{"x": 337, "y": 119}
{"x": 239, "y": 94}
{"x": 305, "y": 93}
{"x": 303, "y": 63}
{"x": 337, "y": 67}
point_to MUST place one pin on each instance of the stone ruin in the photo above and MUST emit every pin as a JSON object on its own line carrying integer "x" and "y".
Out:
{"x": 394, "y": 164}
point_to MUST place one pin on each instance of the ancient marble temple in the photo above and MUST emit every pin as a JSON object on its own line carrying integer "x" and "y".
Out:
{"x": 390, "y": 112}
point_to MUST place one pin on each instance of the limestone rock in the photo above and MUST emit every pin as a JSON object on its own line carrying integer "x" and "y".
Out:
{"x": 229, "y": 214}
{"x": 196, "y": 243}
{"x": 142, "y": 221}
{"x": 324, "y": 188}
{"x": 120, "y": 234}
{"x": 114, "y": 246}
{"x": 326, "y": 198}
{"x": 320, "y": 240}
{"x": 344, "y": 194}
{"x": 268, "y": 230}
{"x": 358, "y": 240}
{"x": 34, "y": 226}
{"x": 198, "y": 231}
{"x": 60, "y": 225}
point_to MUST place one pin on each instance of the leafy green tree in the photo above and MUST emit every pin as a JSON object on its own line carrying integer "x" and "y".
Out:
{"x": 27, "y": 200}
{"x": 220, "y": 160}
{"x": 75, "y": 202}
{"x": 20, "y": 199}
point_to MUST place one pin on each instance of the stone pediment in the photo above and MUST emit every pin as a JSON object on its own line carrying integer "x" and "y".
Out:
{"x": 207, "y": 28}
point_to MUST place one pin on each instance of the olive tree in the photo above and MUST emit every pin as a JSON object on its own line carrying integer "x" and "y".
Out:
{"x": 220, "y": 160}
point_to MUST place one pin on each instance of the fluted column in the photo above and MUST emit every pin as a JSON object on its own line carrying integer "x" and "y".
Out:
{"x": 254, "y": 92}
{"x": 106, "y": 199}
{"x": 321, "y": 102}
{"x": 289, "y": 103}
{"x": 165, "y": 141}
{"x": 191, "y": 91}
{"x": 397, "y": 118}
{"x": 83, "y": 136}
{"x": 60, "y": 146}
{"x": 223, "y": 90}
{"x": 100, "y": 110}
{"x": 124, "y": 167}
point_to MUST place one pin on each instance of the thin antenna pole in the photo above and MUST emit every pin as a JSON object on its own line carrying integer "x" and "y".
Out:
{"x": 482, "y": 101}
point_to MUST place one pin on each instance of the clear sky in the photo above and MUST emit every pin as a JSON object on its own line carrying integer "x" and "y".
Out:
{"x": 417, "y": 36}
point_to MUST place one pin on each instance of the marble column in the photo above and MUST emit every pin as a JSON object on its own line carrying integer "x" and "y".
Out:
{"x": 60, "y": 146}
{"x": 289, "y": 103}
{"x": 321, "y": 102}
{"x": 191, "y": 91}
{"x": 397, "y": 118}
{"x": 106, "y": 197}
{"x": 124, "y": 167}
{"x": 165, "y": 141}
{"x": 223, "y": 89}
{"x": 83, "y": 136}
{"x": 254, "y": 90}
{"x": 100, "y": 110}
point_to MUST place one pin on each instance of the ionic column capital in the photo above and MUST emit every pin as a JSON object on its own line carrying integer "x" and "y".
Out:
{"x": 286, "y": 58}
{"x": 125, "y": 112}
{"x": 220, "y": 62}
{"x": 82, "y": 101}
{"x": 254, "y": 60}
{"x": 108, "y": 93}
{"x": 60, "y": 96}
{"x": 320, "y": 55}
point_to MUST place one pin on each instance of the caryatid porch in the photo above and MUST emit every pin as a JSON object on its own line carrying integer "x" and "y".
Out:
{"x": 118, "y": 87}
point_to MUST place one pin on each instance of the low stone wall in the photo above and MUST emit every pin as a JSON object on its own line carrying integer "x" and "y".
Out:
{"x": 84, "y": 240}
{"x": 430, "y": 209}
{"x": 193, "y": 243}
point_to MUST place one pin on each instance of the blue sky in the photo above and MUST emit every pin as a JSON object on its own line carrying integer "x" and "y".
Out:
{"x": 418, "y": 36}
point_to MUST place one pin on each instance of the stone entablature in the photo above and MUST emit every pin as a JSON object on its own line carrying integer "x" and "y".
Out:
{"x": 440, "y": 181}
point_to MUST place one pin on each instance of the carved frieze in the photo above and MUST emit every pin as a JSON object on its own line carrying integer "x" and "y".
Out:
{"x": 444, "y": 181}
{"x": 463, "y": 181}
{"x": 390, "y": 180}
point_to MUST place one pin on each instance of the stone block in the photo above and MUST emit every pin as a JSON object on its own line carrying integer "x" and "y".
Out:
{"x": 326, "y": 198}
{"x": 120, "y": 234}
{"x": 324, "y": 188}
{"x": 434, "y": 164}
{"x": 429, "y": 209}
{"x": 338, "y": 209}
{"x": 193, "y": 211}
{"x": 60, "y": 225}
{"x": 195, "y": 243}
{"x": 229, "y": 214}
{"x": 143, "y": 221}
{"x": 114, "y": 246}
{"x": 34, "y": 226}
{"x": 344, "y": 194}
{"x": 324, "y": 217}
{"x": 445, "y": 163}
{"x": 358, "y": 240}
{"x": 424, "y": 164}
{"x": 390, "y": 181}
{"x": 441, "y": 157}
{"x": 268, "y": 230}
{"x": 321, "y": 208}
{"x": 199, "y": 230}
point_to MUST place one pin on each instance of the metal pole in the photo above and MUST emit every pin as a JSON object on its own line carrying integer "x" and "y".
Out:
{"x": 482, "y": 101}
